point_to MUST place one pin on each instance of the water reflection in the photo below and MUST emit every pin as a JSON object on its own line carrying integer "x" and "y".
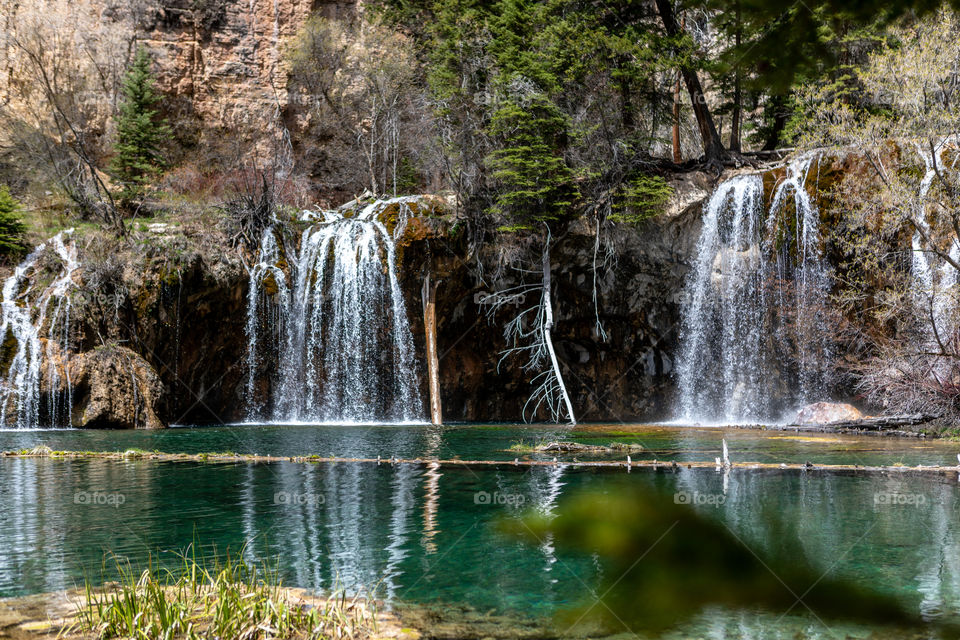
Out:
{"x": 431, "y": 492}
{"x": 426, "y": 534}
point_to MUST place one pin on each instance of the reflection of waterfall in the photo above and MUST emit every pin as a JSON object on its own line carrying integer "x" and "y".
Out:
{"x": 330, "y": 323}
{"x": 39, "y": 324}
{"x": 752, "y": 338}
{"x": 402, "y": 504}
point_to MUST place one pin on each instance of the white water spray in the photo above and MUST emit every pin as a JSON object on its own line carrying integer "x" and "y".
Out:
{"x": 40, "y": 329}
{"x": 331, "y": 321}
{"x": 752, "y": 340}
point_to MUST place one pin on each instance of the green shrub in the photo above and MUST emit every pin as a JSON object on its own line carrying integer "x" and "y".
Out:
{"x": 12, "y": 229}
{"x": 641, "y": 198}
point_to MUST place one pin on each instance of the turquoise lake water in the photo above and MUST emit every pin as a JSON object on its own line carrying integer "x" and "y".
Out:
{"x": 494, "y": 441}
{"x": 425, "y": 535}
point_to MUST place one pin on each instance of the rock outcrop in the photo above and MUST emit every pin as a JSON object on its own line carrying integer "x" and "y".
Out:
{"x": 160, "y": 319}
{"x": 639, "y": 273}
{"x": 114, "y": 387}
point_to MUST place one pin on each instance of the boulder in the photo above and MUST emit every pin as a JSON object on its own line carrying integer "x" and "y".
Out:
{"x": 115, "y": 388}
{"x": 827, "y": 413}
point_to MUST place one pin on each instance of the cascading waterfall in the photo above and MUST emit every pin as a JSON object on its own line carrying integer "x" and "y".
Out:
{"x": 40, "y": 328}
{"x": 721, "y": 362}
{"x": 329, "y": 325}
{"x": 752, "y": 339}
{"x": 803, "y": 280}
{"x": 935, "y": 278}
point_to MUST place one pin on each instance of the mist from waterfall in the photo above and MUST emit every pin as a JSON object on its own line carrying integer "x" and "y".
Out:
{"x": 327, "y": 324}
{"x": 38, "y": 321}
{"x": 753, "y": 338}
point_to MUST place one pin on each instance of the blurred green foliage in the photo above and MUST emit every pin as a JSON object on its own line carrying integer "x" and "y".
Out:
{"x": 663, "y": 563}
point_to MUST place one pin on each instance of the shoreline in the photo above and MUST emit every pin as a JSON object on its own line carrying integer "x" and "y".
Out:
{"x": 54, "y": 615}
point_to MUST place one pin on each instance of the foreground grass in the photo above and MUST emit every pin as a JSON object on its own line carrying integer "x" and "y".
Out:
{"x": 222, "y": 598}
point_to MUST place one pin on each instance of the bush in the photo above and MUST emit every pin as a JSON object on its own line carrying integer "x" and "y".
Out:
{"x": 12, "y": 229}
{"x": 641, "y": 198}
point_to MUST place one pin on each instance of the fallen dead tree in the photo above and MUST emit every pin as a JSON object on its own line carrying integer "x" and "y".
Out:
{"x": 875, "y": 423}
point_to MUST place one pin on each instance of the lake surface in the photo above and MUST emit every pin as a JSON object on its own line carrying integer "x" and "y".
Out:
{"x": 426, "y": 535}
{"x": 492, "y": 442}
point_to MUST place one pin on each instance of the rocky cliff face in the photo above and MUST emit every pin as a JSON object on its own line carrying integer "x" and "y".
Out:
{"x": 220, "y": 64}
{"x": 639, "y": 275}
{"x": 222, "y": 61}
{"x": 160, "y": 320}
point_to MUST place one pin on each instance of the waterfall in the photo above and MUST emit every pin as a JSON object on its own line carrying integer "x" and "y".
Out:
{"x": 40, "y": 329}
{"x": 721, "y": 362}
{"x": 328, "y": 324}
{"x": 934, "y": 277}
{"x": 752, "y": 338}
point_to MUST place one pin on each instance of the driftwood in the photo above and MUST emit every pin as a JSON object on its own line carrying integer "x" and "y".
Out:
{"x": 885, "y": 425}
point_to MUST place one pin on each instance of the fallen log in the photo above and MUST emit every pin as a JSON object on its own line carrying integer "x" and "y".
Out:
{"x": 576, "y": 447}
{"x": 951, "y": 471}
{"x": 875, "y": 423}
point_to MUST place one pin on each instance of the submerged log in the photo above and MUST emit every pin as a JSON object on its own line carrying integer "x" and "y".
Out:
{"x": 952, "y": 471}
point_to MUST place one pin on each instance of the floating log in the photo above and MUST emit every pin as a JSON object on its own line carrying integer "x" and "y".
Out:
{"x": 655, "y": 465}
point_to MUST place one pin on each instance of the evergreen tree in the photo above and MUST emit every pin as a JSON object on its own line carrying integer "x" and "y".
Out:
{"x": 11, "y": 225}
{"x": 534, "y": 182}
{"x": 140, "y": 133}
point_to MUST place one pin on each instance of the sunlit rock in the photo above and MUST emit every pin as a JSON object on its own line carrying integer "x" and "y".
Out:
{"x": 827, "y": 412}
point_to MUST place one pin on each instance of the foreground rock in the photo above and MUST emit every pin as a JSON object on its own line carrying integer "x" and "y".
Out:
{"x": 827, "y": 413}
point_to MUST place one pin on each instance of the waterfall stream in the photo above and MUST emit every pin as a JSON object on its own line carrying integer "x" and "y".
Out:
{"x": 39, "y": 325}
{"x": 753, "y": 341}
{"x": 327, "y": 323}
{"x": 934, "y": 277}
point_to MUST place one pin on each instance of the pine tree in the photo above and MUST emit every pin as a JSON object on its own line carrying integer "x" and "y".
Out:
{"x": 534, "y": 182}
{"x": 140, "y": 133}
{"x": 11, "y": 225}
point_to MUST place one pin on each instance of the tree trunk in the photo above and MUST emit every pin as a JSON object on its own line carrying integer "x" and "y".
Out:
{"x": 780, "y": 115}
{"x": 737, "y": 95}
{"x": 627, "y": 111}
{"x": 677, "y": 156}
{"x": 433, "y": 364}
{"x": 713, "y": 149}
{"x": 548, "y": 327}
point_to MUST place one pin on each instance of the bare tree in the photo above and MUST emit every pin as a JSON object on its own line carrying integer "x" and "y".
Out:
{"x": 529, "y": 333}
{"x": 64, "y": 71}
{"x": 359, "y": 78}
{"x": 900, "y": 200}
